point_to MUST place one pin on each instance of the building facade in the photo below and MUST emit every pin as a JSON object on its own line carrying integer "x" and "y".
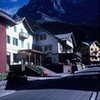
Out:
{"x": 19, "y": 37}
{"x": 54, "y": 46}
{"x": 90, "y": 52}
{"x": 68, "y": 40}
{"x": 48, "y": 44}
{"x": 5, "y": 20}
{"x": 2, "y": 48}
{"x": 95, "y": 52}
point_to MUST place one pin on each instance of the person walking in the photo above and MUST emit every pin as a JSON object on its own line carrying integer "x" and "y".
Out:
{"x": 74, "y": 66}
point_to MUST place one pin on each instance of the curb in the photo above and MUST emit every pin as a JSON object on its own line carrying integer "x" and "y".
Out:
{"x": 6, "y": 92}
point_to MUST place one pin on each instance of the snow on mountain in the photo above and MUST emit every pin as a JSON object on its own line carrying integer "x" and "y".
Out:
{"x": 57, "y": 6}
{"x": 46, "y": 17}
{"x": 70, "y": 11}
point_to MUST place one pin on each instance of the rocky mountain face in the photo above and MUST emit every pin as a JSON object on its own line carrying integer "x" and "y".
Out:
{"x": 81, "y": 32}
{"x": 59, "y": 16}
{"x": 69, "y": 11}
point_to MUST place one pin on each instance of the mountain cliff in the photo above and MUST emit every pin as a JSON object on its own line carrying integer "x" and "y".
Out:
{"x": 69, "y": 11}
{"x": 59, "y": 16}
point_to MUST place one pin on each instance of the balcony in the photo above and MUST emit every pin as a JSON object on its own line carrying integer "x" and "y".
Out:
{"x": 23, "y": 35}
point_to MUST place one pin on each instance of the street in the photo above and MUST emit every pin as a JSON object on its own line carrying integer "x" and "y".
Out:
{"x": 80, "y": 86}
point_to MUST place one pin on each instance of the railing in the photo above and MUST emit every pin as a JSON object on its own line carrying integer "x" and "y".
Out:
{"x": 23, "y": 35}
{"x": 34, "y": 68}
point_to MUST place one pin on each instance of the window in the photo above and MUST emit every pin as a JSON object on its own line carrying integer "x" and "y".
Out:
{"x": 21, "y": 30}
{"x": 22, "y": 44}
{"x": 91, "y": 49}
{"x": 15, "y": 59}
{"x": 8, "y": 58}
{"x": 28, "y": 45}
{"x": 15, "y": 29}
{"x": 15, "y": 41}
{"x": 43, "y": 37}
{"x": 37, "y": 37}
{"x": 8, "y": 39}
{"x": 48, "y": 47}
{"x": 95, "y": 49}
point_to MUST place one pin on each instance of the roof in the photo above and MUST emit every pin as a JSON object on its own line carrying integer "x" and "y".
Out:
{"x": 5, "y": 18}
{"x": 86, "y": 43}
{"x": 25, "y": 22}
{"x": 90, "y": 43}
{"x": 36, "y": 27}
{"x": 27, "y": 51}
{"x": 66, "y": 35}
{"x": 19, "y": 20}
{"x": 63, "y": 36}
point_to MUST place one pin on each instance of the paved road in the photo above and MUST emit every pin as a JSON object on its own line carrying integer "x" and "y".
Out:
{"x": 49, "y": 94}
{"x": 90, "y": 69}
{"x": 81, "y": 87}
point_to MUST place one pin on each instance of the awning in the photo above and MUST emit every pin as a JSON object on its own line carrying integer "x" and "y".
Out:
{"x": 30, "y": 51}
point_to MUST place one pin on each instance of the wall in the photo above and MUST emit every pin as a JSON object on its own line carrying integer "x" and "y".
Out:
{"x": 2, "y": 48}
{"x": 51, "y": 40}
{"x": 96, "y": 49}
{"x": 11, "y": 49}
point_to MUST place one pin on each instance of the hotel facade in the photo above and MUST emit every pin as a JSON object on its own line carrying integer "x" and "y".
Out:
{"x": 18, "y": 38}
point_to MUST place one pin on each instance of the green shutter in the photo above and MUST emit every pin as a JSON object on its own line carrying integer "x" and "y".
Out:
{"x": 15, "y": 29}
{"x": 8, "y": 39}
{"x": 15, "y": 41}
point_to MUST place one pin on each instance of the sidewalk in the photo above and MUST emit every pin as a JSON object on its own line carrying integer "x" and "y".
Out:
{"x": 4, "y": 92}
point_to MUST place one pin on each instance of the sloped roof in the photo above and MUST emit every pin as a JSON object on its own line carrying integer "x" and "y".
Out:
{"x": 27, "y": 51}
{"x": 26, "y": 24}
{"x": 64, "y": 35}
{"x": 18, "y": 20}
{"x": 90, "y": 43}
{"x": 86, "y": 43}
{"x": 36, "y": 27}
{"x": 5, "y": 18}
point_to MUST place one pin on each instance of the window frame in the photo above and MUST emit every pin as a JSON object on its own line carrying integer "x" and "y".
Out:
{"x": 15, "y": 29}
{"x": 15, "y": 41}
{"x": 8, "y": 39}
{"x": 48, "y": 47}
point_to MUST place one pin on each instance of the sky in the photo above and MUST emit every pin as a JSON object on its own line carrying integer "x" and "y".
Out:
{"x": 12, "y": 6}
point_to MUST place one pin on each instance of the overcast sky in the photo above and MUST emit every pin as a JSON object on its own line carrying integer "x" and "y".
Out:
{"x": 12, "y": 6}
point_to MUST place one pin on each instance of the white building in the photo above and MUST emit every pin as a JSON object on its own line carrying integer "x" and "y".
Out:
{"x": 54, "y": 45}
{"x": 19, "y": 37}
{"x": 69, "y": 40}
